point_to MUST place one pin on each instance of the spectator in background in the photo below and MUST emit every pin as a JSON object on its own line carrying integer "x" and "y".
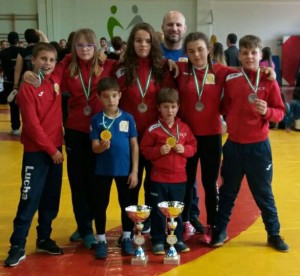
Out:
{"x": 62, "y": 43}
{"x": 116, "y": 43}
{"x": 4, "y": 44}
{"x": 266, "y": 60}
{"x": 104, "y": 47}
{"x": 232, "y": 52}
{"x": 217, "y": 54}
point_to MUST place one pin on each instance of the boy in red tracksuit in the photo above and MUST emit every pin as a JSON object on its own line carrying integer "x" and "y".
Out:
{"x": 250, "y": 102}
{"x": 42, "y": 138}
{"x": 167, "y": 144}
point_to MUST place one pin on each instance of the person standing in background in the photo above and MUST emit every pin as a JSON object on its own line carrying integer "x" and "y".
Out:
{"x": 232, "y": 52}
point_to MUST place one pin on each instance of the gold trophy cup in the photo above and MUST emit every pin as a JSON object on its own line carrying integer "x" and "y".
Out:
{"x": 172, "y": 210}
{"x": 138, "y": 214}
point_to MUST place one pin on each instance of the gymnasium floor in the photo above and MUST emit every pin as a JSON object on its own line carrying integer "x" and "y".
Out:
{"x": 245, "y": 253}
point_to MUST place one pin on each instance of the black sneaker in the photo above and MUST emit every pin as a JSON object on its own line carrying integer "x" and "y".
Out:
{"x": 278, "y": 243}
{"x": 218, "y": 238}
{"x": 15, "y": 255}
{"x": 49, "y": 246}
{"x": 197, "y": 225}
{"x": 101, "y": 250}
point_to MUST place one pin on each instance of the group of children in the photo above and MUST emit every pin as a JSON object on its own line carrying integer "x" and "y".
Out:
{"x": 250, "y": 101}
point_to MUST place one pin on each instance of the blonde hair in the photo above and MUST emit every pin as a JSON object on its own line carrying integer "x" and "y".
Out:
{"x": 90, "y": 36}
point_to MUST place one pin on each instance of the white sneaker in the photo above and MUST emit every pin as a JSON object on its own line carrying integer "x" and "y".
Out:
{"x": 12, "y": 95}
{"x": 15, "y": 132}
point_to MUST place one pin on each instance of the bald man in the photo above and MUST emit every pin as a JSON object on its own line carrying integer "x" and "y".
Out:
{"x": 174, "y": 28}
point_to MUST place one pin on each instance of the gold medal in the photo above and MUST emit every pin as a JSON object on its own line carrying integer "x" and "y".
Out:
{"x": 171, "y": 141}
{"x": 105, "y": 135}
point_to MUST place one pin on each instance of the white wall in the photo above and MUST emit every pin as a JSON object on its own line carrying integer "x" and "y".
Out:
{"x": 269, "y": 19}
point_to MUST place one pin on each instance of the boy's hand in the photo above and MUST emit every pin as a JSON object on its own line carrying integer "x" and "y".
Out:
{"x": 58, "y": 157}
{"x": 104, "y": 145}
{"x": 165, "y": 149}
{"x": 132, "y": 180}
{"x": 179, "y": 148}
{"x": 260, "y": 106}
{"x": 269, "y": 72}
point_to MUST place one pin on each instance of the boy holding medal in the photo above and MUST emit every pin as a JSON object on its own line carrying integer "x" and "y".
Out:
{"x": 250, "y": 102}
{"x": 42, "y": 138}
{"x": 114, "y": 140}
{"x": 167, "y": 144}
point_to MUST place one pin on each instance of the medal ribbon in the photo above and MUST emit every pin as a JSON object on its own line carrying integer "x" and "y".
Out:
{"x": 143, "y": 93}
{"x": 200, "y": 91}
{"x": 86, "y": 90}
{"x": 103, "y": 120}
{"x": 168, "y": 132}
{"x": 256, "y": 81}
{"x": 40, "y": 76}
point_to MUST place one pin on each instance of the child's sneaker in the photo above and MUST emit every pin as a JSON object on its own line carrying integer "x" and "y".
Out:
{"x": 127, "y": 247}
{"x": 218, "y": 238}
{"x": 90, "y": 241}
{"x": 181, "y": 247}
{"x": 158, "y": 249}
{"x": 147, "y": 226}
{"x": 15, "y": 255}
{"x": 278, "y": 243}
{"x": 188, "y": 228}
{"x": 49, "y": 246}
{"x": 75, "y": 237}
{"x": 101, "y": 250}
{"x": 207, "y": 235}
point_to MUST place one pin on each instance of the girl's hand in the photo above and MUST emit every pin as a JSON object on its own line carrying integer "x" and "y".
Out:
{"x": 173, "y": 67}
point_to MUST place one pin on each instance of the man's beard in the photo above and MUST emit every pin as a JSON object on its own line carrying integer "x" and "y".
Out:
{"x": 173, "y": 39}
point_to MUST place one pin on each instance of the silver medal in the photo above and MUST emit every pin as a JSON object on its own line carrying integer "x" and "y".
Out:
{"x": 142, "y": 107}
{"x": 87, "y": 110}
{"x": 199, "y": 106}
{"x": 252, "y": 97}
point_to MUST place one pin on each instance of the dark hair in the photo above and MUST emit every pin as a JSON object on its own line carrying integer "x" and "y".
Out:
{"x": 156, "y": 58}
{"x": 42, "y": 46}
{"x": 167, "y": 95}
{"x": 103, "y": 38}
{"x": 267, "y": 55}
{"x": 232, "y": 38}
{"x": 116, "y": 42}
{"x": 13, "y": 38}
{"x": 250, "y": 41}
{"x": 218, "y": 53}
{"x": 107, "y": 83}
{"x": 31, "y": 36}
{"x": 193, "y": 37}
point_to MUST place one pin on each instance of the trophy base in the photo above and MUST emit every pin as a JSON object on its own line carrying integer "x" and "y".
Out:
{"x": 172, "y": 260}
{"x": 139, "y": 261}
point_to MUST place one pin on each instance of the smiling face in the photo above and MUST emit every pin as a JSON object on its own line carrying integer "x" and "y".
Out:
{"x": 174, "y": 28}
{"x": 197, "y": 53}
{"x": 142, "y": 43}
{"x": 250, "y": 57}
{"x": 44, "y": 61}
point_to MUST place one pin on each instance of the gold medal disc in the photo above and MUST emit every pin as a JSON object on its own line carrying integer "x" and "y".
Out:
{"x": 171, "y": 141}
{"x": 105, "y": 135}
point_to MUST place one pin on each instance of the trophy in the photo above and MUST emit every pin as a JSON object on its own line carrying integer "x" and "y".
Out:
{"x": 138, "y": 214}
{"x": 171, "y": 209}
